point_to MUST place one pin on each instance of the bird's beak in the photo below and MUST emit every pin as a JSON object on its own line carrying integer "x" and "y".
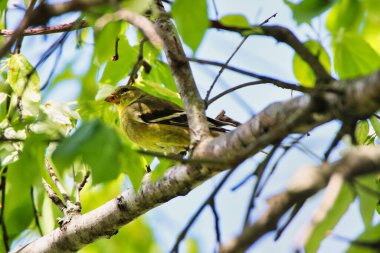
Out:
{"x": 112, "y": 99}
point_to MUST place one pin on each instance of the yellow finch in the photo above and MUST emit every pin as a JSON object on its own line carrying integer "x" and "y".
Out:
{"x": 156, "y": 124}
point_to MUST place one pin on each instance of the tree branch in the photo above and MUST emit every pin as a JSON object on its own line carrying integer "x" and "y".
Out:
{"x": 180, "y": 68}
{"x": 49, "y": 29}
{"x": 360, "y": 161}
{"x": 263, "y": 78}
{"x": 286, "y": 36}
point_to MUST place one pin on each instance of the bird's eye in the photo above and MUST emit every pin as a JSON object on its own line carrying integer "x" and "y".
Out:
{"x": 123, "y": 90}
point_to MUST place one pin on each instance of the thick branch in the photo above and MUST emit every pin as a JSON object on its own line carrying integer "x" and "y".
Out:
{"x": 286, "y": 36}
{"x": 358, "y": 98}
{"x": 180, "y": 68}
{"x": 357, "y": 162}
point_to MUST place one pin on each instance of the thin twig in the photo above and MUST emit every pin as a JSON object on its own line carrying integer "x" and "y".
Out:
{"x": 293, "y": 214}
{"x": 46, "y": 84}
{"x": 215, "y": 9}
{"x": 285, "y": 151}
{"x": 56, "y": 181}
{"x": 206, "y": 100}
{"x": 48, "y": 29}
{"x": 216, "y": 220}
{"x": 335, "y": 142}
{"x": 139, "y": 62}
{"x": 19, "y": 40}
{"x": 222, "y": 69}
{"x": 54, "y": 196}
{"x": 212, "y": 100}
{"x": 259, "y": 171}
{"x": 115, "y": 57}
{"x": 274, "y": 81}
{"x": 286, "y": 36}
{"x": 183, "y": 233}
{"x": 35, "y": 212}
{"x": 80, "y": 187}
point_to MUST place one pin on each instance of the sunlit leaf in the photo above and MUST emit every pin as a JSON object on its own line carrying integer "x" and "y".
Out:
{"x": 158, "y": 90}
{"x": 353, "y": 56}
{"x": 133, "y": 164}
{"x": 306, "y": 10}
{"x": 24, "y": 80}
{"x": 117, "y": 70}
{"x": 161, "y": 74}
{"x": 361, "y": 131}
{"x": 376, "y": 125}
{"x": 304, "y": 74}
{"x": 192, "y": 20}
{"x": 346, "y": 14}
{"x": 192, "y": 246}
{"x": 95, "y": 144}
{"x": 105, "y": 41}
{"x": 235, "y": 21}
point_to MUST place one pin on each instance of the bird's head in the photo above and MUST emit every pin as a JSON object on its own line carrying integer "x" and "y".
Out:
{"x": 124, "y": 95}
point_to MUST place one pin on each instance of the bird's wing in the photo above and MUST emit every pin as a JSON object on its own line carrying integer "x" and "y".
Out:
{"x": 168, "y": 113}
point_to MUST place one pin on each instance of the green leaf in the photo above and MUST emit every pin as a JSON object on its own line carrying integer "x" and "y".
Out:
{"x": 235, "y": 21}
{"x": 96, "y": 145}
{"x": 158, "y": 90}
{"x": 25, "y": 83}
{"x": 322, "y": 228}
{"x": 346, "y": 14}
{"x": 376, "y": 125}
{"x": 160, "y": 74}
{"x": 192, "y": 246}
{"x": 304, "y": 74}
{"x": 353, "y": 56}
{"x": 192, "y": 20}
{"x": 361, "y": 131}
{"x": 306, "y": 10}
{"x": 105, "y": 41}
{"x": 133, "y": 164}
{"x": 367, "y": 201}
{"x": 117, "y": 70}
{"x": 18, "y": 208}
{"x": 370, "y": 235}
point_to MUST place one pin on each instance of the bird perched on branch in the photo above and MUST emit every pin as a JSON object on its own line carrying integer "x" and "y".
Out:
{"x": 156, "y": 124}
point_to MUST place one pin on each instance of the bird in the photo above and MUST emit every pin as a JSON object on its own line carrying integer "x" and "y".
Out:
{"x": 156, "y": 124}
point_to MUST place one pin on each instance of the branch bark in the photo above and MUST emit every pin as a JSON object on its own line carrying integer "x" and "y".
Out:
{"x": 358, "y": 98}
{"x": 72, "y": 26}
{"x": 359, "y": 161}
{"x": 194, "y": 105}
